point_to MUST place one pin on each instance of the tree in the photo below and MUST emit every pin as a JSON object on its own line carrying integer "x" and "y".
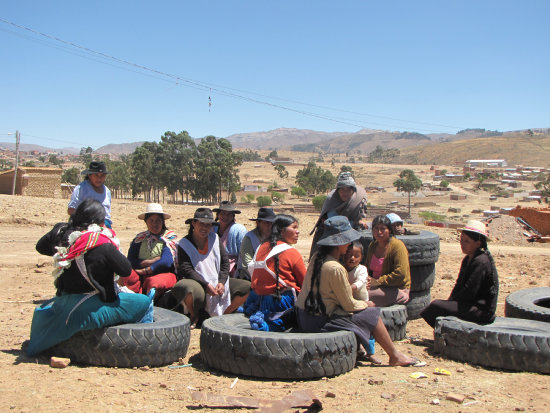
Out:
{"x": 544, "y": 187}
{"x": 272, "y": 155}
{"x": 277, "y": 196}
{"x": 281, "y": 171}
{"x": 54, "y": 160}
{"x": 71, "y": 176}
{"x": 263, "y": 201}
{"x": 178, "y": 151}
{"x": 318, "y": 202}
{"x": 86, "y": 156}
{"x": 444, "y": 184}
{"x": 408, "y": 182}
{"x": 298, "y": 191}
{"x": 119, "y": 179}
{"x": 143, "y": 167}
{"x": 346, "y": 168}
{"x": 315, "y": 179}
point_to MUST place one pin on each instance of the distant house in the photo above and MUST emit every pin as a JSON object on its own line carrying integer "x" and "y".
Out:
{"x": 40, "y": 182}
{"x": 486, "y": 163}
{"x": 251, "y": 188}
{"x": 281, "y": 161}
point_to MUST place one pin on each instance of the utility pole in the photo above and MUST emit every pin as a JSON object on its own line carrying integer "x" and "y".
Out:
{"x": 17, "y": 138}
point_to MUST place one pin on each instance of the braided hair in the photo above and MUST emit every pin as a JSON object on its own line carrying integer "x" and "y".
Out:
{"x": 314, "y": 304}
{"x": 280, "y": 222}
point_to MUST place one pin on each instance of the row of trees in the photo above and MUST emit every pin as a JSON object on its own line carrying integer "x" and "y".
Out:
{"x": 175, "y": 165}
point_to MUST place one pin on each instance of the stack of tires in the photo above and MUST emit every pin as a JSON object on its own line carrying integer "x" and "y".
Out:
{"x": 423, "y": 253}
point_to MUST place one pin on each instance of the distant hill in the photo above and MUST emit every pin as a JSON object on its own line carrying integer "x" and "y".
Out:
{"x": 282, "y": 138}
{"x": 119, "y": 148}
{"x": 518, "y": 148}
{"x": 26, "y": 147}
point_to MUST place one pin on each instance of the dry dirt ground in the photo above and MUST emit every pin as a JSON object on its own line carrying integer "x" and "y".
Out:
{"x": 28, "y": 385}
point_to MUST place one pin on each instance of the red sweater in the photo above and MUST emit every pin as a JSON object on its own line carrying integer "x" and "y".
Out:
{"x": 292, "y": 270}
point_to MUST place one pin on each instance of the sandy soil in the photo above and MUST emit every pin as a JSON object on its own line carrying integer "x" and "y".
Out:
{"x": 28, "y": 385}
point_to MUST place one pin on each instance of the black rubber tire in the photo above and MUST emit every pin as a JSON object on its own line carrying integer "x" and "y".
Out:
{"x": 422, "y": 277}
{"x": 423, "y": 248}
{"x": 395, "y": 320}
{"x": 531, "y": 303}
{"x": 229, "y": 344}
{"x": 508, "y": 343}
{"x": 418, "y": 301}
{"x": 131, "y": 345}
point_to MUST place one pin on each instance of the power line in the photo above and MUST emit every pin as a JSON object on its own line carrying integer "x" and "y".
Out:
{"x": 222, "y": 90}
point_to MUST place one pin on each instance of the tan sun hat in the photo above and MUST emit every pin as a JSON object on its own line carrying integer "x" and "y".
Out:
{"x": 476, "y": 226}
{"x": 154, "y": 208}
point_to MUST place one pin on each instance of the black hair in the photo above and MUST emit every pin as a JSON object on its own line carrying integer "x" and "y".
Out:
{"x": 147, "y": 216}
{"x": 280, "y": 222}
{"x": 88, "y": 212}
{"x": 476, "y": 236}
{"x": 314, "y": 304}
{"x": 357, "y": 244}
{"x": 384, "y": 220}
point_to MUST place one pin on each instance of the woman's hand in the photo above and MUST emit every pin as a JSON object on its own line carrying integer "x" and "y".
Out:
{"x": 220, "y": 289}
{"x": 148, "y": 263}
{"x": 372, "y": 283}
{"x": 211, "y": 290}
{"x": 143, "y": 272}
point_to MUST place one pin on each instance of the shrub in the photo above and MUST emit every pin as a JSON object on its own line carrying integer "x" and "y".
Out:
{"x": 263, "y": 201}
{"x": 318, "y": 201}
{"x": 432, "y": 216}
{"x": 277, "y": 196}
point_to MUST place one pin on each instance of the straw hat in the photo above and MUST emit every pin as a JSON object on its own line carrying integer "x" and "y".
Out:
{"x": 476, "y": 226}
{"x": 154, "y": 208}
{"x": 338, "y": 231}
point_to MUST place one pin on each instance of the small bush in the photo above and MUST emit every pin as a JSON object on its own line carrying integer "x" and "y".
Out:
{"x": 432, "y": 216}
{"x": 277, "y": 196}
{"x": 263, "y": 201}
{"x": 318, "y": 201}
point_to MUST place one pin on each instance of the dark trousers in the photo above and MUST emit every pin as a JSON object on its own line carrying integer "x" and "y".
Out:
{"x": 463, "y": 310}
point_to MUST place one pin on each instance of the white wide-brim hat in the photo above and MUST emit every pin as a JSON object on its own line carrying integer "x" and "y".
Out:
{"x": 476, "y": 226}
{"x": 154, "y": 208}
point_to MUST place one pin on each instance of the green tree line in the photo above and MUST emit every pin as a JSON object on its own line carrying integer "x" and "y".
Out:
{"x": 175, "y": 166}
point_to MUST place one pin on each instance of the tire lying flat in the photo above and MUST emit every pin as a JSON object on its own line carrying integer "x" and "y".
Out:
{"x": 508, "y": 343}
{"x": 229, "y": 344}
{"x": 531, "y": 303}
{"x": 131, "y": 345}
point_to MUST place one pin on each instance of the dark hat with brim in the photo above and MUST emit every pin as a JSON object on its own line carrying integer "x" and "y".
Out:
{"x": 265, "y": 214}
{"x": 227, "y": 206}
{"x": 203, "y": 215}
{"x": 95, "y": 168}
{"x": 338, "y": 231}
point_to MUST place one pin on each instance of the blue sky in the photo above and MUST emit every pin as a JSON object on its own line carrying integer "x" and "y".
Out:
{"x": 426, "y": 66}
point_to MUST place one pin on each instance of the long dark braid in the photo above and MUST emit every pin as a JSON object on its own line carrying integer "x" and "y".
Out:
{"x": 314, "y": 304}
{"x": 280, "y": 222}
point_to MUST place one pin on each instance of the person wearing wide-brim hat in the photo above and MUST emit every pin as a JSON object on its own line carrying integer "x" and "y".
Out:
{"x": 253, "y": 239}
{"x": 326, "y": 301}
{"x": 474, "y": 296}
{"x": 203, "y": 272}
{"x": 349, "y": 200}
{"x": 153, "y": 254}
{"x": 230, "y": 232}
{"x": 93, "y": 186}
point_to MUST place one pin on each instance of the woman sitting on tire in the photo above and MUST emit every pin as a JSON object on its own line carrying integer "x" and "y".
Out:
{"x": 152, "y": 255}
{"x": 388, "y": 264}
{"x": 86, "y": 262}
{"x": 474, "y": 296}
{"x": 278, "y": 271}
{"x": 203, "y": 272}
{"x": 326, "y": 301}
